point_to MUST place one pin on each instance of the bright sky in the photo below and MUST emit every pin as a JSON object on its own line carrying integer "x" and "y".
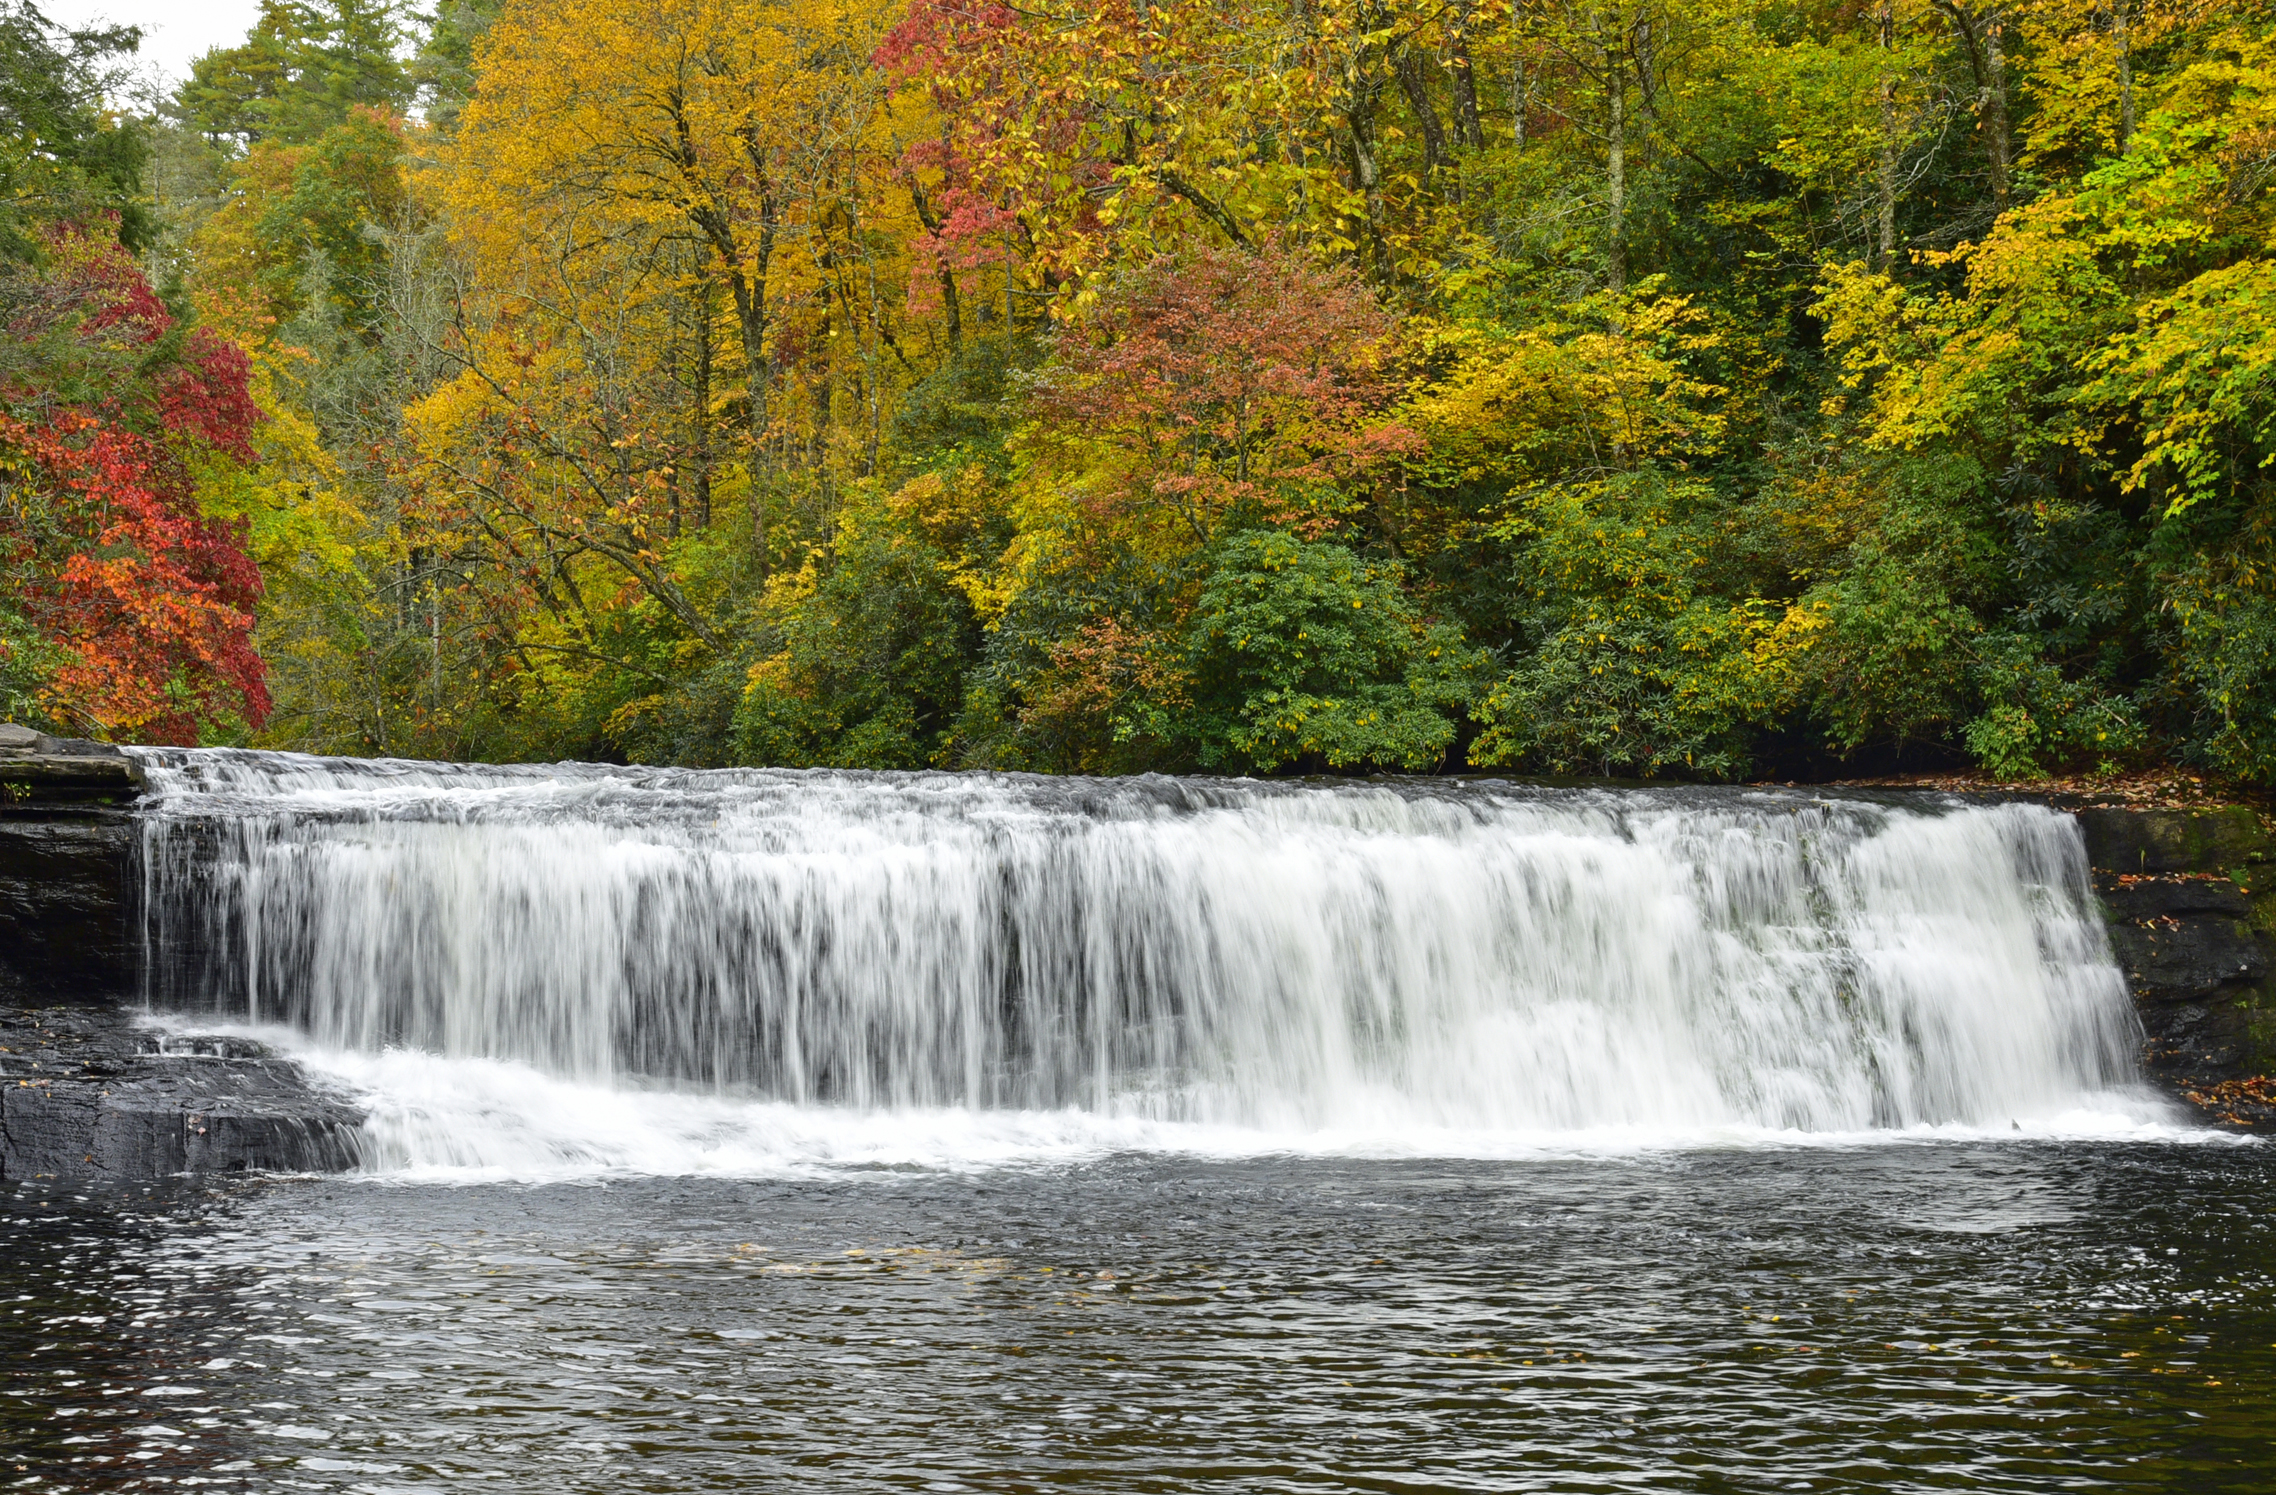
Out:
{"x": 173, "y": 31}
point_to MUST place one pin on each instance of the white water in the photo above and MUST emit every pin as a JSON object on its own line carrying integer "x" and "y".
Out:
{"x": 673, "y": 971}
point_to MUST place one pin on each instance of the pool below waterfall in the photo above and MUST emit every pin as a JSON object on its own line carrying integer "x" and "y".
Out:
{"x": 759, "y": 1130}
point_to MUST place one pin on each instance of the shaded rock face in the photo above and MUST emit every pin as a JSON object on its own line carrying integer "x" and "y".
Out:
{"x": 89, "y": 1092}
{"x": 85, "y": 1089}
{"x": 65, "y": 882}
{"x": 2191, "y": 896}
{"x": 66, "y": 843}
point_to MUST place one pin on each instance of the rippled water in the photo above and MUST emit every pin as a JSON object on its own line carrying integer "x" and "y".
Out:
{"x": 1974, "y": 1316}
{"x": 761, "y": 1131}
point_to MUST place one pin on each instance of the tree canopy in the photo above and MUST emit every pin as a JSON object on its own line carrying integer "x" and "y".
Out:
{"x": 1699, "y": 388}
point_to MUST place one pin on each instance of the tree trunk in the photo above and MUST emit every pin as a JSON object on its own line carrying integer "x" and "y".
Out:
{"x": 1616, "y": 169}
{"x": 1467, "y": 124}
{"x": 1995, "y": 113}
{"x": 1520, "y": 84}
{"x": 1642, "y": 46}
{"x": 1980, "y": 35}
{"x": 1366, "y": 173}
{"x": 950, "y": 309}
{"x": 699, "y": 398}
{"x": 1885, "y": 225}
{"x": 1416, "y": 86}
{"x": 675, "y": 469}
{"x": 2119, "y": 24}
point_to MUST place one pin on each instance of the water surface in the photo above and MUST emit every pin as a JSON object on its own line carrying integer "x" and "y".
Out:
{"x": 1909, "y": 1315}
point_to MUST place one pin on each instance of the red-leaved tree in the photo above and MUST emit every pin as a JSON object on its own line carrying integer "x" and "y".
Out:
{"x": 124, "y": 611}
{"x": 1229, "y": 381}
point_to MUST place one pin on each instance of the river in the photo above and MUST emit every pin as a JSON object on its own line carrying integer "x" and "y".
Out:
{"x": 928, "y": 1132}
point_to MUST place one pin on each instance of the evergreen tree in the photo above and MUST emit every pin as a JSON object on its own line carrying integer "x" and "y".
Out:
{"x": 303, "y": 68}
{"x": 63, "y": 155}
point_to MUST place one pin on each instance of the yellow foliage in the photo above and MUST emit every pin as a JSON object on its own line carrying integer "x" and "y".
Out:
{"x": 1518, "y": 406}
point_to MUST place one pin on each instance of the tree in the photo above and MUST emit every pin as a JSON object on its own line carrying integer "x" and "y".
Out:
{"x": 305, "y": 68}
{"x": 1231, "y": 384}
{"x": 63, "y": 156}
{"x": 131, "y": 611}
{"x": 753, "y": 133}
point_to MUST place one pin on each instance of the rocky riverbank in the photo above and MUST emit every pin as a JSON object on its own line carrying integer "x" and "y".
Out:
{"x": 2191, "y": 899}
{"x": 93, "y": 1092}
{"x": 86, "y": 1088}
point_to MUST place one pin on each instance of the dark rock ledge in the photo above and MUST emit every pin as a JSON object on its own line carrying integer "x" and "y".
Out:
{"x": 34, "y": 765}
{"x": 90, "y": 1092}
{"x": 2191, "y": 901}
{"x": 86, "y": 1090}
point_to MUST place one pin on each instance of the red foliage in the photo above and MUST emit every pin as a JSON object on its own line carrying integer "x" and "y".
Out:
{"x": 146, "y": 601}
{"x": 208, "y": 395}
{"x": 1231, "y": 378}
{"x": 1009, "y": 109}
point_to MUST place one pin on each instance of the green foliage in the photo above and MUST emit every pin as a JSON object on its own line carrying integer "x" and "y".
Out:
{"x": 965, "y": 408}
{"x": 1308, "y": 654}
{"x": 28, "y": 660}
{"x": 305, "y": 68}
{"x": 1900, "y": 602}
{"x": 1625, "y": 663}
{"x": 2036, "y": 721}
{"x": 443, "y": 68}
{"x": 63, "y": 156}
{"x": 875, "y": 639}
{"x": 2220, "y": 677}
{"x": 345, "y": 192}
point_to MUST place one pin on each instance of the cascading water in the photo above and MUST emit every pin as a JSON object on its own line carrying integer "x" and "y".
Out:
{"x": 1363, "y": 959}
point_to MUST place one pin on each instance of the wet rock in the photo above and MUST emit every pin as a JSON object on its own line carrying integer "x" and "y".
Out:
{"x": 65, "y": 883}
{"x": 2147, "y": 900}
{"x": 2183, "y": 956}
{"x": 90, "y": 1093}
{"x": 2191, "y": 908}
{"x": 85, "y": 1089}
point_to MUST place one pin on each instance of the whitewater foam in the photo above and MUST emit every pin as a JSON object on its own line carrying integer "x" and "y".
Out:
{"x": 553, "y": 969}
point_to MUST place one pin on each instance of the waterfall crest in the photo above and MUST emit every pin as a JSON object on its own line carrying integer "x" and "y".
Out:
{"x": 1281, "y": 956}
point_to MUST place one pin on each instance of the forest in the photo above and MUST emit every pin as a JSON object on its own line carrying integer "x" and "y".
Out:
{"x": 1688, "y": 389}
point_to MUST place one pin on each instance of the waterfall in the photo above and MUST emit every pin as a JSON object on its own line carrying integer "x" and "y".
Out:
{"x": 1283, "y": 956}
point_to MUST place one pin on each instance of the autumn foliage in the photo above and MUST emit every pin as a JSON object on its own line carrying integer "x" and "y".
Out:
{"x": 1701, "y": 388}
{"x": 131, "y": 611}
{"x": 1231, "y": 383}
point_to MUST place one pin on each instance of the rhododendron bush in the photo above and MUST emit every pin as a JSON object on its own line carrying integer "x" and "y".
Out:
{"x": 128, "y": 612}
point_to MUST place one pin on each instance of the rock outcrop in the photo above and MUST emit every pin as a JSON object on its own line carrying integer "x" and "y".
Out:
{"x": 65, "y": 884}
{"x": 34, "y": 765}
{"x": 65, "y": 845}
{"x": 91, "y": 1092}
{"x": 86, "y": 1089}
{"x": 2191, "y": 896}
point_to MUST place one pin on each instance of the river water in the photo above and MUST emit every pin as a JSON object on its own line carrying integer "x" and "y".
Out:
{"x": 1907, "y": 1315}
{"x": 927, "y": 1132}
